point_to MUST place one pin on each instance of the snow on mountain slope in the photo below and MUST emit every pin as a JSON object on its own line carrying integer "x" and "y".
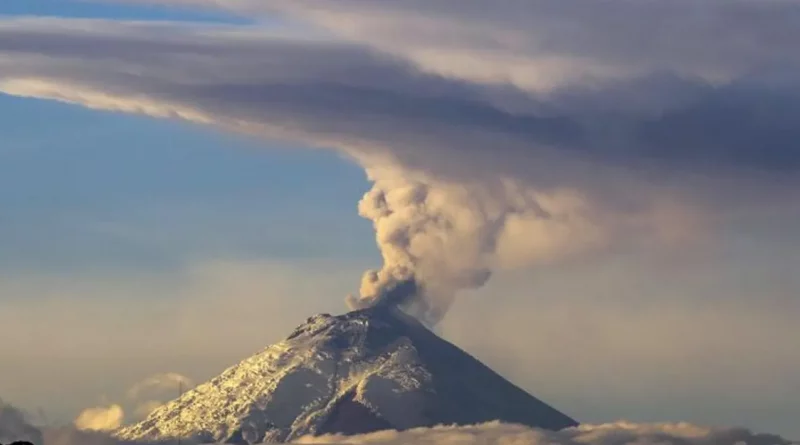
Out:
{"x": 364, "y": 371}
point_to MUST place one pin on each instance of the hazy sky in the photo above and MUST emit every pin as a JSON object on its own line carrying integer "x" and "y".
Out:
{"x": 660, "y": 140}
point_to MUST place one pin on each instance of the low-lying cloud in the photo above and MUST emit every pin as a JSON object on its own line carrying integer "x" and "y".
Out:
{"x": 100, "y": 418}
{"x": 142, "y": 398}
{"x": 620, "y": 433}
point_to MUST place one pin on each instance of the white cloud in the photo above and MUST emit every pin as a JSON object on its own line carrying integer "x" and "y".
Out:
{"x": 75, "y": 94}
{"x": 621, "y": 433}
{"x": 101, "y": 418}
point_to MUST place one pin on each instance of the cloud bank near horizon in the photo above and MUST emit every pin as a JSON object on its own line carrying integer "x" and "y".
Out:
{"x": 647, "y": 141}
{"x": 14, "y": 426}
{"x": 619, "y": 433}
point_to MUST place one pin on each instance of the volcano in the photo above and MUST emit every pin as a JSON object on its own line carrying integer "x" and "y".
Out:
{"x": 364, "y": 371}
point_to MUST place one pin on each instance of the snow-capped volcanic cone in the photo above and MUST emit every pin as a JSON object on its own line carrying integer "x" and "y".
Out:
{"x": 364, "y": 371}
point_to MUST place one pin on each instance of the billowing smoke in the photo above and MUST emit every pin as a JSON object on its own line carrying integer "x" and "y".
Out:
{"x": 419, "y": 239}
{"x": 438, "y": 238}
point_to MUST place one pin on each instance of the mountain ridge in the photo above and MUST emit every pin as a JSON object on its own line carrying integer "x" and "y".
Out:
{"x": 363, "y": 371}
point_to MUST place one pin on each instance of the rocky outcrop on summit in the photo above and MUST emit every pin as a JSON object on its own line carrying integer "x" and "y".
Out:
{"x": 360, "y": 372}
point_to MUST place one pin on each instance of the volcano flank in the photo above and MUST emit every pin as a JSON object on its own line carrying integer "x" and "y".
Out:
{"x": 364, "y": 371}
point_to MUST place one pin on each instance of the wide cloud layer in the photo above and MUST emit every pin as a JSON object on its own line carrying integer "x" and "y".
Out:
{"x": 607, "y": 434}
{"x": 356, "y": 97}
{"x": 539, "y": 44}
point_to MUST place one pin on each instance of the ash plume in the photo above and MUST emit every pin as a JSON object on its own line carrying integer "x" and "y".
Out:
{"x": 438, "y": 239}
{"x": 474, "y": 171}
{"x": 419, "y": 274}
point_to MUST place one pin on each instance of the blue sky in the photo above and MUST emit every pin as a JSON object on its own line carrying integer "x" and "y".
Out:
{"x": 660, "y": 285}
{"x": 90, "y": 189}
{"x": 95, "y": 9}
